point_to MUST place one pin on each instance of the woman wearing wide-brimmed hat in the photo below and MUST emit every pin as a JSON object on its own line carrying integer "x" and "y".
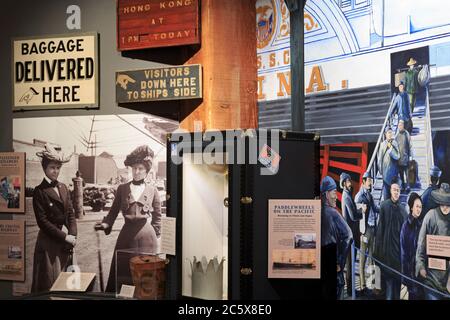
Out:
{"x": 53, "y": 210}
{"x": 437, "y": 223}
{"x": 140, "y": 205}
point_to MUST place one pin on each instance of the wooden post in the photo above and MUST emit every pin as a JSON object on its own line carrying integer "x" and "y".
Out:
{"x": 297, "y": 63}
{"x": 364, "y": 159}
{"x": 228, "y": 58}
{"x": 326, "y": 160}
{"x": 78, "y": 195}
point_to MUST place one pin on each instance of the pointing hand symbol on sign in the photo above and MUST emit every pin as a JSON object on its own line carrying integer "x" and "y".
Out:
{"x": 123, "y": 79}
{"x": 28, "y": 95}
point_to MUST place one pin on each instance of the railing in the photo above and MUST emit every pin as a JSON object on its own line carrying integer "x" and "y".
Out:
{"x": 353, "y": 253}
{"x": 373, "y": 164}
{"x": 429, "y": 138}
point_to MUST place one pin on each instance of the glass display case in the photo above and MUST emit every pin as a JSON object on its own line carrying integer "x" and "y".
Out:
{"x": 205, "y": 230}
{"x": 221, "y": 210}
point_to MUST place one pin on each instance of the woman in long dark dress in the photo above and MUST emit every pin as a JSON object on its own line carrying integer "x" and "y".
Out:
{"x": 140, "y": 205}
{"x": 409, "y": 236}
{"x": 53, "y": 210}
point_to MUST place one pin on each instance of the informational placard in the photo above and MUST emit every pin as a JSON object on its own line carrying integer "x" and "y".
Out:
{"x": 157, "y": 23}
{"x": 20, "y": 288}
{"x": 55, "y": 72}
{"x": 438, "y": 264}
{"x": 12, "y": 250}
{"x": 73, "y": 281}
{"x": 168, "y": 83}
{"x": 127, "y": 291}
{"x": 294, "y": 239}
{"x": 168, "y": 235}
{"x": 438, "y": 246}
{"x": 12, "y": 182}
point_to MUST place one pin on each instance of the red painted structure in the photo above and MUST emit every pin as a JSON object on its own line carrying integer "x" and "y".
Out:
{"x": 352, "y": 158}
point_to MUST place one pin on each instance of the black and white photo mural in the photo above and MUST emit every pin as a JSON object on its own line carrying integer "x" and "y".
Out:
{"x": 95, "y": 184}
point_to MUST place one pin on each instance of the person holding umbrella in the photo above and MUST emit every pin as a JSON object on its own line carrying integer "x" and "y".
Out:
{"x": 140, "y": 205}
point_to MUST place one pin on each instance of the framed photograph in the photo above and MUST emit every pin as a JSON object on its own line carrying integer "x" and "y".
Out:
{"x": 12, "y": 182}
{"x": 93, "y": 174}
{"x": 12, "y": 250}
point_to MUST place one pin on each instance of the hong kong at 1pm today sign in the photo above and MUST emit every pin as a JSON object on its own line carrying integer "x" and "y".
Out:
{"x": 55, "y": 72}
{"x": 157, "y": 84}
{"x": 143, "y": 24}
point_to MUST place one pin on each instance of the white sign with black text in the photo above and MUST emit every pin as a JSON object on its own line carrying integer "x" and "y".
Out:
{"x": 55, "y": 72}
{"x": 168, "y": 235}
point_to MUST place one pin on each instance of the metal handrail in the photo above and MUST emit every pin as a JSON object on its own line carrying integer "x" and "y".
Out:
{"x": 354, "y": 250}
{"x": 429, "y": 139}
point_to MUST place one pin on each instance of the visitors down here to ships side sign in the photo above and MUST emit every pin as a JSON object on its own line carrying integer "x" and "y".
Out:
{"x": 165, "y": 83}
{"x": 157, "y": 23}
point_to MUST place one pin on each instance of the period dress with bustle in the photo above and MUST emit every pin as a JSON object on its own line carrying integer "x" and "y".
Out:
{"x": 141, "y": 208}
{"x": 53, "y": 209}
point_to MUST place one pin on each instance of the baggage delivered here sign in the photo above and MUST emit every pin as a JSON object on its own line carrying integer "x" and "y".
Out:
{"x": 164, "y": 83}
{"x": 55, "y": 72}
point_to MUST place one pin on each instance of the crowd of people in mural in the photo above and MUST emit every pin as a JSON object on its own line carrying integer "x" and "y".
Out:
{"x": 392, "y": 233}
{"x": 389, "y": 232}
{"x": 392, "y": 236}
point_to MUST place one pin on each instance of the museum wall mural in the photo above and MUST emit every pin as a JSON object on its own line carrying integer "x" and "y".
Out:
{"x": 377, "y": 77}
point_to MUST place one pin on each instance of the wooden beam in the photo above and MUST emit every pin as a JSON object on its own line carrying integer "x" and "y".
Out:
{"x": 335, "y": 178}
{"x": 346, "y": 167}
{"x": 364, "y": 159}
{"x": 325, "y": 161}
{"x": 345, "y": 155}
{"x": 228, "y": 58}
{"x": 352, "y": 144}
